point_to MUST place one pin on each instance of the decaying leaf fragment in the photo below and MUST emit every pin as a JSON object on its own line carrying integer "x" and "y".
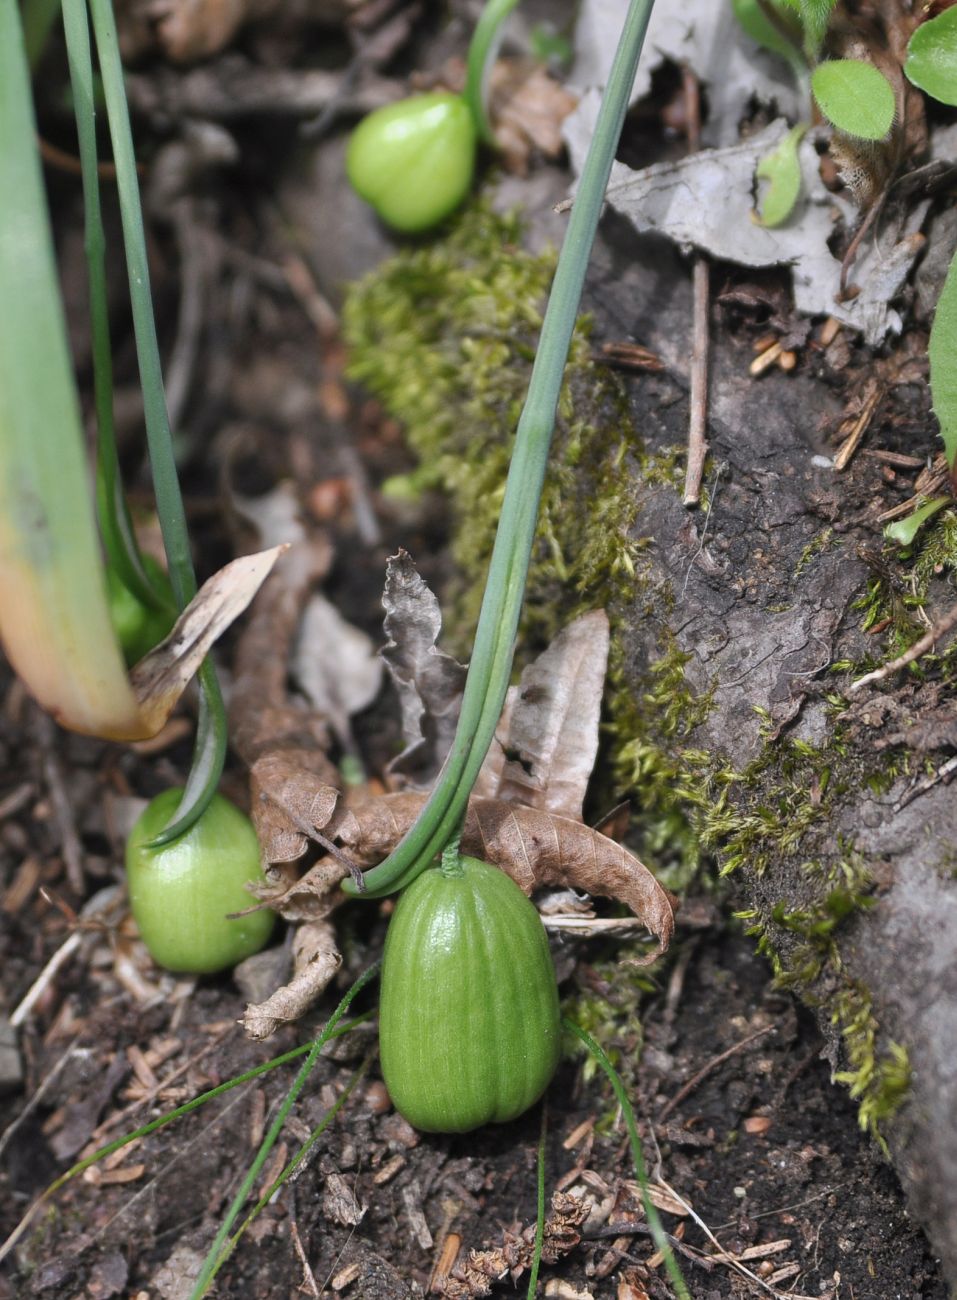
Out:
{"x": 547, "y": 740}
{"x": 483, "y": 1268}
{"x": 315, "y": 961}
{"x": 429, "y": 681}
{"x": 525, "y": 813}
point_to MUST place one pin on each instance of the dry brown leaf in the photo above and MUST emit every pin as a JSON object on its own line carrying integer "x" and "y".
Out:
{"x": 546, "y": 742}
{"x": 429, "y": 681}
{"x": 293, "y": 796}
{"x": 527, "y": 107}
{"x": 293, "y": 784}
{"x": 195, "y": 29}
{"x": 311, "y": 898}
{"x": 316, "y": 960}
{"x": 535, "y": 848}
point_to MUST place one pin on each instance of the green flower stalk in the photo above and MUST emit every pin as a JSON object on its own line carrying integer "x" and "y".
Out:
{"x": 491, "y": 664}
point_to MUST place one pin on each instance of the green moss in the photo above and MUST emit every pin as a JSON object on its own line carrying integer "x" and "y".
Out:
{"x": 878, "y": 1081}
{"x": 816, "y": 546}
{"x": 445, "y": 336}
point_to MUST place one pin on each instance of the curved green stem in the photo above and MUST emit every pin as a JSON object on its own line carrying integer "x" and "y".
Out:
{"x": 210, "y": 751}
{"x": 491, "y": 664}
{"x": 483, "y": 49}
{"x": 116, "y": 528}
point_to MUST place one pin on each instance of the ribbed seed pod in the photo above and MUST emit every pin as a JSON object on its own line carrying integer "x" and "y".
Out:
{"x": 469, "y": 1023}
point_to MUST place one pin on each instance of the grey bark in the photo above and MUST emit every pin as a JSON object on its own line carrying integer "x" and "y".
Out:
{"x": 769, "y": 503}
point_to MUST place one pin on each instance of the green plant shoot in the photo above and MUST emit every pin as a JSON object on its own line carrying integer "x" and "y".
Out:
{"x": 491, "y": 662}
{"x": 942, "y": 352}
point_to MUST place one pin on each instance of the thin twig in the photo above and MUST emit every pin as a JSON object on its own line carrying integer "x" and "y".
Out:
{"x": 100, "y": 902}
{"x": 706, "y": 1069}
{"x": 698, "y": 419}
{"x": 309, "y": 1283}
{"x": 919, "y": 648}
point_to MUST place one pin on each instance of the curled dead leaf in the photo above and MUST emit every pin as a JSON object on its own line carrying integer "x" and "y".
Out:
{"x": 535, "y": 848}
{"x": 429, "y": 682}
{"x": 315, "y": 960}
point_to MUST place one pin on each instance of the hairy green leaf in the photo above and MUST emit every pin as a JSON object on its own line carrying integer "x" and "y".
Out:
{"x": 943, "y": 363}
{"x": 753, "y": 17}
{"x": 815, "y": 16}
{"x": 781, "y": 168}
{"x": 932, "y": 57}
{"x": 854, "y": 97}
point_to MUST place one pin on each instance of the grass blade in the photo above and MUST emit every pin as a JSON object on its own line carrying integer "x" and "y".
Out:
{"x": 210, "y": 752}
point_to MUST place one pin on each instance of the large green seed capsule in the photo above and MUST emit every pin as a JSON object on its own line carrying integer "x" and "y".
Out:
{"x": 181, "y": 893}
{"x": 469, "y": 1024}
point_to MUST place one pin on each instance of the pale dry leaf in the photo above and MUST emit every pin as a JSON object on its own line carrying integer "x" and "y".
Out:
{"x": 535, "y": 848}
{"x": 702, "y": 35}
{"x": 705, "y": 201}
{"x": 429, "y": 681}
{"x": 546, "y": 744}
{"x": 335, "y": 664}
{"x": 160, "y": 678}
{"x": 315, "y": 961}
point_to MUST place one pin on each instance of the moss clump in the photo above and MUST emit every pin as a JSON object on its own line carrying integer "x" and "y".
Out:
{"x": 897, "y": 593}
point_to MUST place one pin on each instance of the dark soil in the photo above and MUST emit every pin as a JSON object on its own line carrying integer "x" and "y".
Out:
{"x": 764, "y": 1148}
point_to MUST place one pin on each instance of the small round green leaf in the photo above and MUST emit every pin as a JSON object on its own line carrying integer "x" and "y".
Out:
{"x": 855, "y": 98}
{"x": 781, "y": 168}
{"x": 932, "y": 57}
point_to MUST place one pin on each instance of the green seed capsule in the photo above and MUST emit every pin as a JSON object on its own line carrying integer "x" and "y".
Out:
{"x": 139, "y": 629}
{"x": 413, "y": 161}
{"x": 181, "y": 893}
{"x": 469, "y": 1026}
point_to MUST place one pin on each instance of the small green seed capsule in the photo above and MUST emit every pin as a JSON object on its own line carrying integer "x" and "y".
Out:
{"x": 413, "y": 161}
{"x": 139, "y": 629}
{"x": 469, "y": 1025}
{"x": 181, "y": 893}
